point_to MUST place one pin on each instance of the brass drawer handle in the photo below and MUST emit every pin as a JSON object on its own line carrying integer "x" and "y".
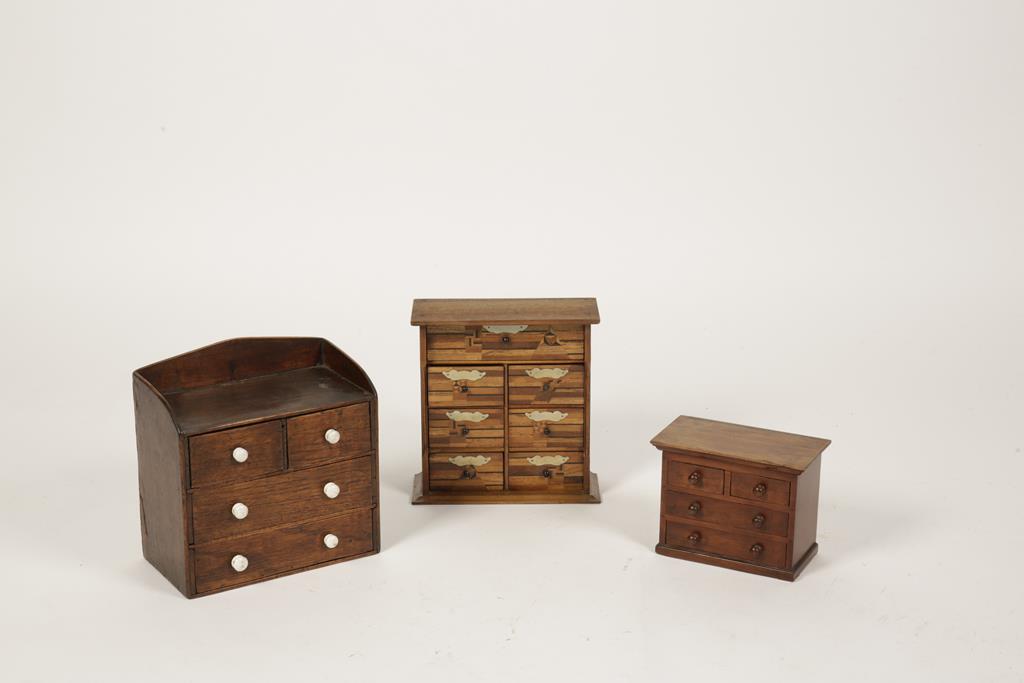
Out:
{"x": 459, "y": 416}
{"x": 464, "y": 375}
{"x": 758, "y": 520}
{"x": 547, "y": 373}
{"x": 760, "y": 489}
{"x": 546, "y": 415}
{"x": 539, "y": 460}
{"x": 469, "y": 460}
{"x": 505, "y": 329}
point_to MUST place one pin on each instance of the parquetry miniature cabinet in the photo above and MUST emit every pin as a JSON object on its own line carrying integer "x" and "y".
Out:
{"x": 506, "y": 400}
{"x": 257, "y": 458}
{"x": 739, "y": 497}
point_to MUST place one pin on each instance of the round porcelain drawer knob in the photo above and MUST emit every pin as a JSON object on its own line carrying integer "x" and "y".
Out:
{"x": 332, "y": 436}
{"x": 331, "y": 541}
{"x": 239, "y": 510}
{"x": 239, "y": 563}
{"x": 332, "y": 490}
{"x": 240, "y": 454}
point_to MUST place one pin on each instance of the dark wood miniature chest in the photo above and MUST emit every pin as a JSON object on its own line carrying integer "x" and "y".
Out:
{"x": 257, "y": 458}
{"x": 739, "y": 497}
{"x": 506, "y": 400}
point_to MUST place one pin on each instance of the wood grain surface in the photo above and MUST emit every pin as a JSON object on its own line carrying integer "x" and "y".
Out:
{"x": 581, "y": 311}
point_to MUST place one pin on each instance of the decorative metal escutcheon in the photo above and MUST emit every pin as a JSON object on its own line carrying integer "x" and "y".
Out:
{"x": 547, "y": 373}
{"x": 466, "y": 460}
{"x": 539, "y": 460}
{"x": 546, "y": 415}
{"x": 505, "y": 329}
{"x": 464, "y": 375}
{"x": 459, "y": 416}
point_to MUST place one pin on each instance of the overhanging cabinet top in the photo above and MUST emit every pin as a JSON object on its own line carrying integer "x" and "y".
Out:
{"x": 487, "y": 311}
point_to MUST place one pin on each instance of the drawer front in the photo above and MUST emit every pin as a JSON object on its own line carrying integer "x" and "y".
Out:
{"x": 482, "y": 385}
{"x": 545, "y": 471}
{"x": 684, "y": 475}
{"x": 468, "y": 343}
{"x": 744, "y": 517}
{"x": 753, "y": 549}
{"x": 466, "y": 472}
{"x": 236, "y": 454}
{"x": 763, "y": 489}
{"x": 283, "y": 549}
{"x": 329, "y": 435}
{"x": 546, "y": 428}
{"x": 281, "y": 499}
{"x": 546, "y": 385}
{"x": 482, "y": 429}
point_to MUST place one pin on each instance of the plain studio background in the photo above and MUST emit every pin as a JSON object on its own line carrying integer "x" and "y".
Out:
{"x": 805, "y": 216}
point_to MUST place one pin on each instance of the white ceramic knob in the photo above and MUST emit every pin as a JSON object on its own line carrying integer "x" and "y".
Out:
{"x": 239, "y": 563}
{"x": 240, "y": 510}
{"x": 331, "y": 490}
{"x": 332, "y": 436}
{"x": 240, "y": 454}
{"x": 331, "y": 541}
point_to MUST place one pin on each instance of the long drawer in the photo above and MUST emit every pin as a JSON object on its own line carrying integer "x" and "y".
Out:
{"x": 755, "y": 549}
{"x": 475, "y": 343}
{"x": 256, "y": 556}
{"x": 231, "y": 510}
{"x": 716, "y": 511}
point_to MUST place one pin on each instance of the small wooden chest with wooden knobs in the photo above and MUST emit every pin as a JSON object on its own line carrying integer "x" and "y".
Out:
{"x": 257, "y": 458}
{"x": 739, "y": 497}
{"x": 506, "y": 400}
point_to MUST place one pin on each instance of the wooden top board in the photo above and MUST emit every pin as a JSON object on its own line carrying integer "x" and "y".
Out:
{"x": 723, "y": 439}
{"x": 486, "y": 311}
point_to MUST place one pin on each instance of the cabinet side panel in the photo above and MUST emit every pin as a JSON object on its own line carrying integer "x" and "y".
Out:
{"x": 424, "y": 432}
{"x": 161, "y": 487}
{"x": 586, "y": 408}
{"x": 805, "y": 526}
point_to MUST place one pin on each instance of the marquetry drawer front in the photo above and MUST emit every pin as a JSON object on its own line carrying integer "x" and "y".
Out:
{"x": 482, "y": 385}
{"x": 683, "y": 475}
{"x": 754, "y": 549}
{"x": 546, "y": 428}
{"x": 546, "y": 385}
{"x": 466, "y": 471}
{"x": 468, "y": 343}
{"x": 230, "y": 510}
{"x": 236, "y": 454}
{"x": 481, "y": 429}
{"x": 234, "y": 561}
{"x": 763, "y": 489}
{"x": 724, "y": 513}
{"x": 329, "y": 435}
{"x": 545, "y": 471}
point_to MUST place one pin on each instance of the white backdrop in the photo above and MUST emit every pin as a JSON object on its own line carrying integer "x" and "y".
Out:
{"x": 810, "y": 212}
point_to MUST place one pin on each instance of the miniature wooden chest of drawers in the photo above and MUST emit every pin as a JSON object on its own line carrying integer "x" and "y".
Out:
{"x": 506, "y": 400}
{"x": 257, "y": 458}
{"x": 739, "y": 497}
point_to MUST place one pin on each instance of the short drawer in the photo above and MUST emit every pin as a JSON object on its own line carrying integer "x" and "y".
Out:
{"x": 549, "y": 385}
{"x": 546, "y": 428}
{"x": 449, "y": 386}
{"x": 475, "y": 430}
{"x": 259, "y": 556}
{"x": 329, "y": 435}
{"x": 763, "y": 489}
{"x": 545, "y": 471}
{"x": 753, "y": 549}
{"x": 236, "y": 454}
{"x": 721, "y": 512}
{"x": 684, "y": 475}
{"x": 469, "y": 343}
{"x": 234, "y": 509}
{"x": 467, "y": 472}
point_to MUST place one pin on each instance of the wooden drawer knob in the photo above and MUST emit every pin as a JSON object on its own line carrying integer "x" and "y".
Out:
{"x": 332, "y": 436}
{"x": 758, "y": 520}
{"x": 239, "y": 510}
{"x": 464, "y": 431}
{"x": 760, "y": 489}
{"x": 506, "y": 340}
{"x": 546, "y": 474}
{"x": 332, "y": 490}
{"x": 331, "y": 541}
{"x": 757, "y": 548}
{"x": 695, "y": 477}
{"x": 240, "y": 454}
{"x": 469, "y": 472}
{"x": 239, "y": 563}
{"x": 694, "y": 507}
{"x": 463, "y": 388}
{"x": 547, "y": 431}
{"x": 694, "y": 537}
